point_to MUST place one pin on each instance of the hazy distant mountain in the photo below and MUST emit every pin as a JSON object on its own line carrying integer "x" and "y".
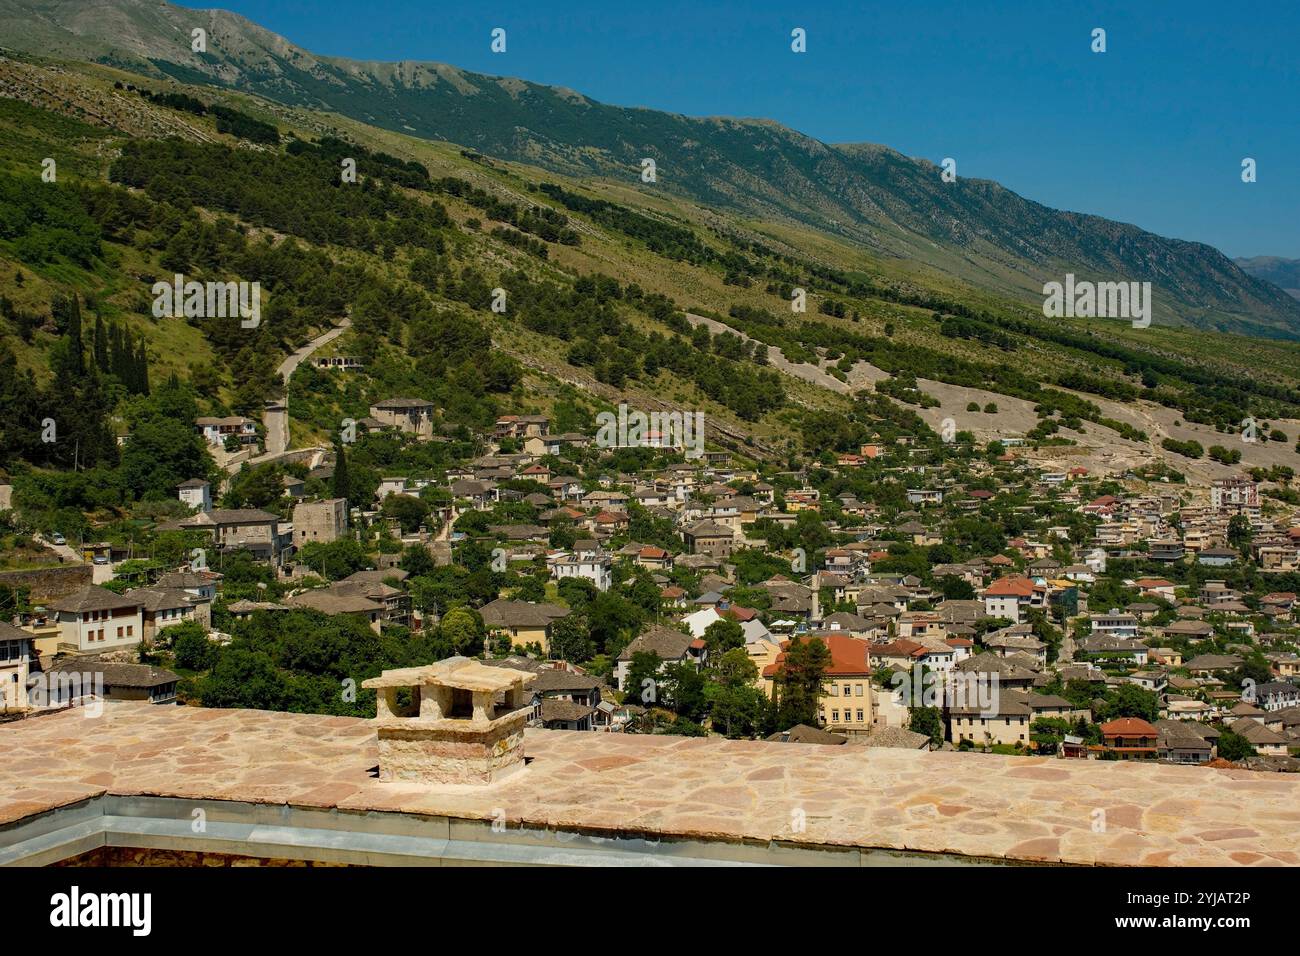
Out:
{"x": 1280, "y": 272}
{"x": 892, "y": 204}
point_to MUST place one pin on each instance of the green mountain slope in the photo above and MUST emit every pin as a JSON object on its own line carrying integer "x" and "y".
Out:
{"x": 889, "y": 204}
{"x": 615, "y": 294}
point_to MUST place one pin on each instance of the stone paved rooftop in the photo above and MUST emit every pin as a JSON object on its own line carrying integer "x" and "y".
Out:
{"x": 1021, "y": 808}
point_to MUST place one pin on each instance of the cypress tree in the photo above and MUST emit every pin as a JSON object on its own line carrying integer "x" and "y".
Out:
{"x": 116, "y": 364}
{"x": 77, "y": 353}
{"x": 142, "y": 369}
{"x": 101, "y": 345}
{"x": 340, "y": 483}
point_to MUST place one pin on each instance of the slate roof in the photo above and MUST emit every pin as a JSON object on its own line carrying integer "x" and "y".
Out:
{"x": 117, "y": 674}
{"x": 92, "y": 598}
{"x": 508, "y": 613}
{"x": 666, "y": 643}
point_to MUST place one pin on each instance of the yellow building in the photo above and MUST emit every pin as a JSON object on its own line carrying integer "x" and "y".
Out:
{"x": 845, "y": 705}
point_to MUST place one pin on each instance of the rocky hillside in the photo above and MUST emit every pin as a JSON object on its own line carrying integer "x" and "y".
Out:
{"x": 1280, "y": 272}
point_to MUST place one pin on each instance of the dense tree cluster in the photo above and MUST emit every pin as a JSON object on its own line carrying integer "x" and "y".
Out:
{"x": 302, "y": 194}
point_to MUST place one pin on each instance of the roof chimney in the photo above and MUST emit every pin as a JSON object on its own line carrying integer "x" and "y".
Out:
{"x": 464, "y": 725}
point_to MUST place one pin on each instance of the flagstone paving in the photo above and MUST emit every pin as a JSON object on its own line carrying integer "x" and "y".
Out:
{"x": 1019, "y": 808}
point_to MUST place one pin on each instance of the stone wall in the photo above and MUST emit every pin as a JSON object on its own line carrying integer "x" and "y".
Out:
{"x": 47, "y": 584}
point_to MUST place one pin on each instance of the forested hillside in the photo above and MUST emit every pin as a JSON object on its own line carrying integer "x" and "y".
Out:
{"x": 602, "y": 293}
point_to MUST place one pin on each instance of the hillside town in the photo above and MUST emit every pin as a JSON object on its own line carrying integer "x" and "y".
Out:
{"x": 922, "y": 593}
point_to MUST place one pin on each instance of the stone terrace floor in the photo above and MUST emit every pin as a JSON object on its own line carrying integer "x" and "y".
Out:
{"x": 1021, "y": 808}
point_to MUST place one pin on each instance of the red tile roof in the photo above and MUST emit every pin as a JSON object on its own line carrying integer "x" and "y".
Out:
{"x": 1128, "y": 727}
{"x": 1012, "y": 587}
{"x": 848, "y": 656}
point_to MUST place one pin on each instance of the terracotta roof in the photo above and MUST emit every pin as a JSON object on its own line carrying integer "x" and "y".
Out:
{"x": 1012, "y": 587}
{"x": 1128, "y": 727}
{"x": 849, "y": 656}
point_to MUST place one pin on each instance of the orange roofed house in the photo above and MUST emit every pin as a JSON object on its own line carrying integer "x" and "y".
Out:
{"x": 1130, "y": 738}
{"x": 845, "y": 706}
{"x": 1011, "y": 597}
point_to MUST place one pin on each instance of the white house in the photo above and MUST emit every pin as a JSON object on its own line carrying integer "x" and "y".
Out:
{"x": 1011, "y": 597}
{"x": 596, "y": 567}
{"x": 95, "y": 619}
{"x": 755, "y": 630}
{"x": 195, "y": 493}
{"x": 217, "y": 430}
{"x": 1115, "y": 623}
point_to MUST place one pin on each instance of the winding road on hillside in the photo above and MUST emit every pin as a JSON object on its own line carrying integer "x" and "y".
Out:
{"x": 277, "y": 423}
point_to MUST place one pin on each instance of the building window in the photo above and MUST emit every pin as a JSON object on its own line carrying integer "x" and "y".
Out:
{"x": 860, "y": 718}
{"x": 835, "y": 716}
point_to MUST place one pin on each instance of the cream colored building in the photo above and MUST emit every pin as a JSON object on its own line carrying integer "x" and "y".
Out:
{"x": 95, "y": 619}
{"x": 1007, "y": 722}
{"x": 15, "y": 656}
{"x": 525, "y": 622}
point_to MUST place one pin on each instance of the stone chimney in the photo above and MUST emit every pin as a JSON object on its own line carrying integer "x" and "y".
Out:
{"x": 463, "y": 724}
{"x": 815, "y": 616}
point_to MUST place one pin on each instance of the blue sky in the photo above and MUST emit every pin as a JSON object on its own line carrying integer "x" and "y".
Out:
{"x": 1153, "y": 131}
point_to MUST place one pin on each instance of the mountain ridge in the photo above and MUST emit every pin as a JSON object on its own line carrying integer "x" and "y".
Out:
{"x": 891, "y": 204}
{"x": 1280, "y": 271}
